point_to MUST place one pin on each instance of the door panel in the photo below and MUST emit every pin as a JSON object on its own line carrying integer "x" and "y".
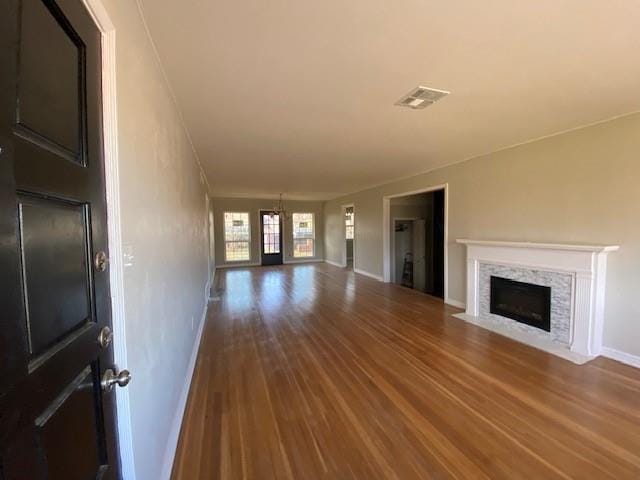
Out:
{"x": 50, "y": 90}
{"x": 419, "y": 263}
{"x": 438, "y": 243}
{"x": 70, "y": 421}
{"x": 55, "y": 420}
{"x": 270, "y": 238}
{"x": 57, "y": 300}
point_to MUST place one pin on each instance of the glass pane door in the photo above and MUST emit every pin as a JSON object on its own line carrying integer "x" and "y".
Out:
{"x": 270, "y": 233}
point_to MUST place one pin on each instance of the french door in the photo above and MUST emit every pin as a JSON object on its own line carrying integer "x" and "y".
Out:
{"x": 270, "y": 238}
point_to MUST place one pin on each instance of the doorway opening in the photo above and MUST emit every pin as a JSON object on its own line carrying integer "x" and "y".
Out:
{"x": 417, "y": 253}
{"x": 349, "y": 236}
{"x": 270, "y": 237}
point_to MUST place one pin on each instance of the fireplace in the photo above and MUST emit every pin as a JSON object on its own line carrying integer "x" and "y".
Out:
{"x": 524, "y": 302}
{"x": 576, "y": 275}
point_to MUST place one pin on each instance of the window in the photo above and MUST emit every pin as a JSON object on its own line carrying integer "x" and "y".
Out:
{"x": 303, "y": 235}
{"x": 349, "y": 223}
{"x": 237, "y": 236}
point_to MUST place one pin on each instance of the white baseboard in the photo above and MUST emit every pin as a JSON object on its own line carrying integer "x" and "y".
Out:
{"x": 623, "y": 357}
{"x": 176, "y": 425}
{"x": 455, "y": 303}
{"x": 368, "y": 274}
{"x": 304, "y": 260}
{"x": 234, "y": 265}
{"x": 335, "y": 264}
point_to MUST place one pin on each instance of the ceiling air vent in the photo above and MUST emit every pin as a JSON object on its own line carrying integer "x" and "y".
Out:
{"x": 421, "y": 97}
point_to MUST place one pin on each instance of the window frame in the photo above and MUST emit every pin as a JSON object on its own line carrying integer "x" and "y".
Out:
{"x": 312, "y": 237}
{"x": 224, "y": 236}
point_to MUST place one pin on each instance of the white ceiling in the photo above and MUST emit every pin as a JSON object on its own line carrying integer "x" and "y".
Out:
{"x": 297, "y": 96}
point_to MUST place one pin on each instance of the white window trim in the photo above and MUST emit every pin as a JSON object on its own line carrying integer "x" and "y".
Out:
{"x": 224, "y": 237}
{"x": 293, "y": 232}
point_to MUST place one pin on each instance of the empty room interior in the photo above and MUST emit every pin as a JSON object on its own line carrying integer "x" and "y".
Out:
{"x": 319, "y": 240}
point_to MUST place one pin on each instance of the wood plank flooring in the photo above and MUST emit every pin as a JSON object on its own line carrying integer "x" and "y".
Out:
{"x": 312, "y": 372}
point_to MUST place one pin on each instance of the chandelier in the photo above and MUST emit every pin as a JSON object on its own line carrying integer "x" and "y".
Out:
{"x": 280, "y": 210}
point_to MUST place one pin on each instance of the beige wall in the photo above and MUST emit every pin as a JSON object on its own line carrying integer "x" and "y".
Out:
{"x": 577, "y": 187}
{"x": 253, "y": 206}
{"x": 164, "y": 226}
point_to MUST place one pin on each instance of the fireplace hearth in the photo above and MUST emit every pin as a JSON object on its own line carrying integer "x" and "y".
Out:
{"x": 524, "y": 302}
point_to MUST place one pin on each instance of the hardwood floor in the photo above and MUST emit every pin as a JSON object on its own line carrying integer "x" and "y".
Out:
{"x": 310, "y": 372}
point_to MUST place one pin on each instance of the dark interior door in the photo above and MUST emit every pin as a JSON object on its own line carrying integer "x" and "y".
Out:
{"x": 56, "y": 422}
{"x": 271, "y": 238}
{"x": 438, "y": 243}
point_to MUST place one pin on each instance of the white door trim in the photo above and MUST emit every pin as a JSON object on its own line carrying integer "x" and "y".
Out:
{"x": 386, "y": 232}
{"x": 112, "y": 189}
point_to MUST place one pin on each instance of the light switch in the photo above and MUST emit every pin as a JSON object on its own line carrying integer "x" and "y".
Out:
{"x": 127, "y": 255}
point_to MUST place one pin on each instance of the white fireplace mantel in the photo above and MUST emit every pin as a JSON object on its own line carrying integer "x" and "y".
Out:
{"x": 586, "y": 263}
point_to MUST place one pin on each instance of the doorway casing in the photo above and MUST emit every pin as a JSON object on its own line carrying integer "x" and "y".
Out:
{"x": 99, "y": 14}
{"x": 386, "y": 232}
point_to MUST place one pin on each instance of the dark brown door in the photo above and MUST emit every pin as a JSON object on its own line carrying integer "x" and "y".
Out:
{"x": 271, "y": 238}
{"x": 438, "y": 243}
{"x": 56, "y": 422}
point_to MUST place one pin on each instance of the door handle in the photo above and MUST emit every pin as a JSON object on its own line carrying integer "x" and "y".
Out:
{"x": 111, "y": 378}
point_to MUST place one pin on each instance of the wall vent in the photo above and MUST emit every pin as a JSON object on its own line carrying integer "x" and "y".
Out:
{"x": 421, "y": 97}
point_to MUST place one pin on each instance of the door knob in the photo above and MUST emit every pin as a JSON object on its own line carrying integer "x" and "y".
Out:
{"x": 110, "y": 378}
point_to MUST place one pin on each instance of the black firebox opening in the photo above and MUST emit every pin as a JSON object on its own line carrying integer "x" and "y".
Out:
{"x": 523, "y": 302}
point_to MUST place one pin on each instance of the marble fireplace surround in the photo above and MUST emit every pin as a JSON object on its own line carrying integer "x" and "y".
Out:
{"x": 580, "y": 268}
